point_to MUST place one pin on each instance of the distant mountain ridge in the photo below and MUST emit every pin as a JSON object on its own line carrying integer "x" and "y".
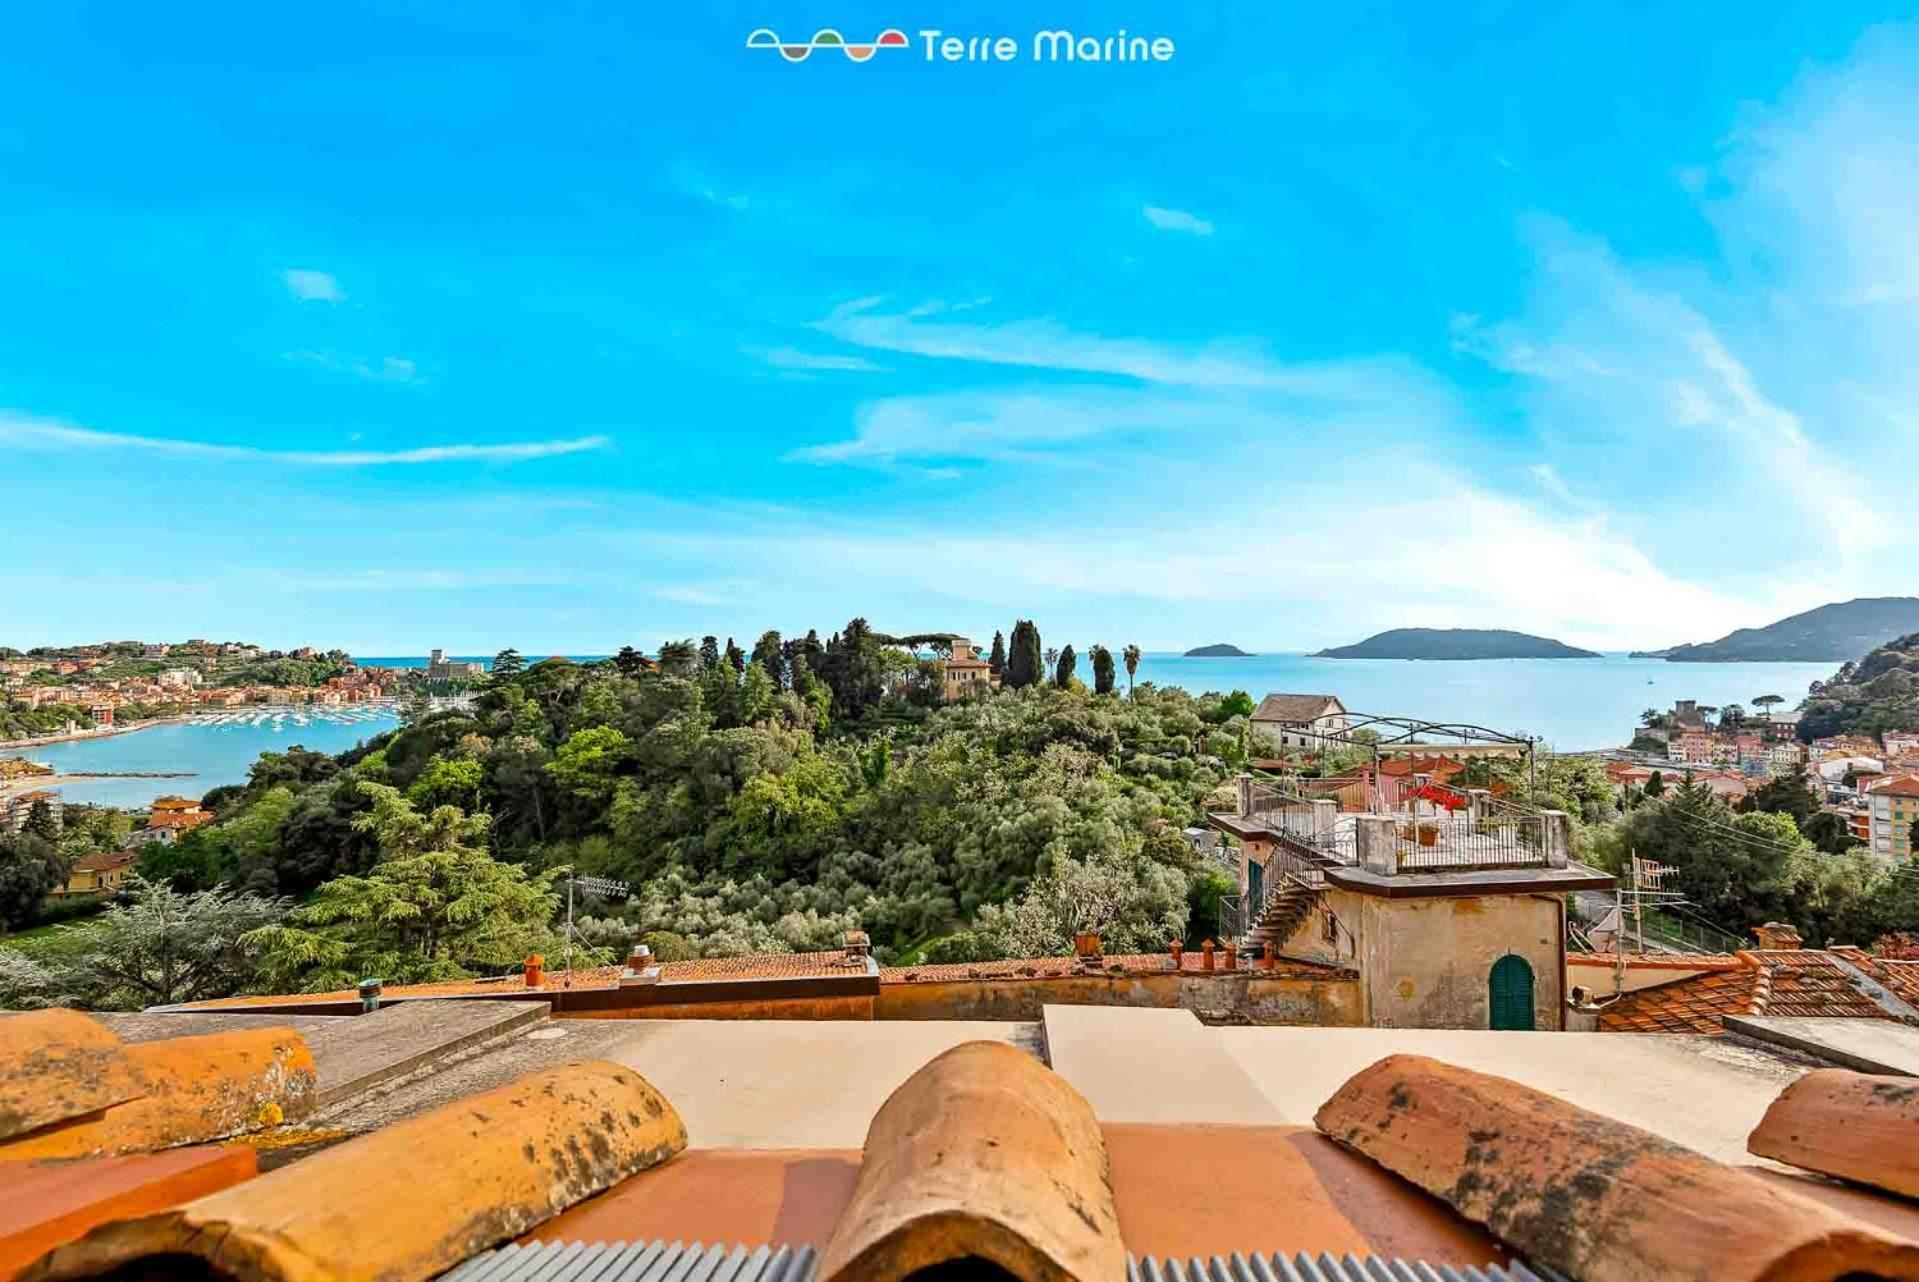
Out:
{"x": 1456, "y": 643}
{"x": 1829, "y": 634}
{"x": 1219, "y": 650}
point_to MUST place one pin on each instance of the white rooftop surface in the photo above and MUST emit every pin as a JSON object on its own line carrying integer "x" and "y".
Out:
{"x": 1864, "y": 1045}
{"x": 789, "y": 1083}
{"x": 1151, "y": 1065}
{"x": 1702, "y": 1092}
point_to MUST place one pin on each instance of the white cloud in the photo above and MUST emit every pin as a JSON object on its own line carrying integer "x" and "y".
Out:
{"x": 789, "y": 358}
{"x": 1045, "y": 344}
{"x": 44, "y": 434}
{"x": 1177, "y": 220}
{"x": 312, "y": 287}
{"x": 387, "y": 369}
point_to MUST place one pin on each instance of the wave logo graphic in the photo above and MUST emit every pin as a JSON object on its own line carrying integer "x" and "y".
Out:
{"x": 826, "y": 38}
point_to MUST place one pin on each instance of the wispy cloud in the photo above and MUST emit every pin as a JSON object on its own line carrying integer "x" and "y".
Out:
{"x": 791, "y": 358}
{"x": 43, "y": 434}
{"x": 1045, "y": 344}
{"x": 1177, "y": 220}
{"x": 310, "y": 286}
{"x": 387, "y": 369}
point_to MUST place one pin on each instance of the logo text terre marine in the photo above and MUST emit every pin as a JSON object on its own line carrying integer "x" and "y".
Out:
{"x": 826, "y": 38}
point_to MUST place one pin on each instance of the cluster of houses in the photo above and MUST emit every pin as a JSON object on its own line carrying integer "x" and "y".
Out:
{"x": 96, "y": 697}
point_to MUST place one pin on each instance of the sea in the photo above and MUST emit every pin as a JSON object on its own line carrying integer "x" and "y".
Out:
{"x": 1571, "y": 705}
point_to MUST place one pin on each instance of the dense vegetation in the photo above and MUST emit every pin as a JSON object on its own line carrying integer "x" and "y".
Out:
{"x": 763, "y": 800}
{"x": 1871, "y": 696}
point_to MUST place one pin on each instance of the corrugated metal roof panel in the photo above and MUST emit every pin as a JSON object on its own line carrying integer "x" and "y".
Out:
{"x": 677, "y": 1262}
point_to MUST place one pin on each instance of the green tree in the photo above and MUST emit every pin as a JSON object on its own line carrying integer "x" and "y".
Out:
{"x": 680, "y": 659}
{"x": 629, "y": 662}
{"x": 1656, "y": 784}
{"x": 435, "y": 907}
{"x": 507, "y": 664}
{"x": 41, "y": 822}
{"x": 770, "y": 656}
{"x": 155, "y": 947}
{"x": 1767, "y": 702}
{"x": 1131, "y": 654}
{"x": 1025, "y": 664}
{"x": 587, "y": 764}
{"x": 448, "y": 781}
{"x": 1063, "y": 668}
{"x": 709, "y": 653}
{"x": 31, "y": 868}
{"x": 996, "y": 657}
{"x": 1103, "y": 672}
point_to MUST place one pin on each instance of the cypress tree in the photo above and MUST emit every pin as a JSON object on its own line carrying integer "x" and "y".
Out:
{"x": 1102, "y": 670}
{"x": 1063, "y": 670}
{"x": 997, "y": 659}
{"x": 1025, "y": 665}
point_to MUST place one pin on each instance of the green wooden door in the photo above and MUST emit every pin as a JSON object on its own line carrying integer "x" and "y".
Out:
{"x": 1512, "y": 993}
{"x": 1255, "y": 892}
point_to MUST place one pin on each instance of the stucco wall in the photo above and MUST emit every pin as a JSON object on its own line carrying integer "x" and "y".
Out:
{"x": 775, "y": 1008}
{"x": 1426, "y": 962}
{"x": 1246, "y": 994}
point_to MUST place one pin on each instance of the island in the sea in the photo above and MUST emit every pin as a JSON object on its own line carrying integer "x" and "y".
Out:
{"x": 1456, "y": 643}
{"x": 1219, "y": 651}
{"x": 1830, "y": 634}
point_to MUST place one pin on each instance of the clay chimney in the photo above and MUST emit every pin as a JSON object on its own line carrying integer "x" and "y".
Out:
{"x": 1777, "y": 934}
{"x": 1232, "y": 954}
{"x": 1269, "y": 958}
{"x": 535, "y": 970}
{"x": 858, "y": 946}
{"x": 1206, "y": 956}
{"x": 1086, "y": 946}
{"x": 1178, "y": 949}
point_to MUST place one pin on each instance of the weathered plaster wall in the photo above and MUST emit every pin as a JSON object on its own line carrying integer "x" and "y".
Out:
{"x": 774, "y": 1008}
{"x": 1244, "y": 994}
{"x": 1426, "y": 962}
{"x": 1599, "y": 973}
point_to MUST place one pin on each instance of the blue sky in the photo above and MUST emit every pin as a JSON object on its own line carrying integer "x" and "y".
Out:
{"x": 564, "y": 326}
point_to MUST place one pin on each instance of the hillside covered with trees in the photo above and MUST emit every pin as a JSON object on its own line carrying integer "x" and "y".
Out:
{"x": 758, "y": 800}
{"x": 1870, "y": 696}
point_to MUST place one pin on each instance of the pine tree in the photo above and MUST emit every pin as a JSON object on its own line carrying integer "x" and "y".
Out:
{"x": 997, "y": 659}
{"x": 629, "y": 661}
{"x": 507, "y": 664}
{"x": 735, "y": 658}
{"x": 769, "y": 654}
{"x": 709, "y": 652}
{"x": 1063, "y": 668}
{"x": 41, "y": 822}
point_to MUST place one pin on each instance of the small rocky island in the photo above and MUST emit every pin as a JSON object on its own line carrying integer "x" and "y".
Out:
{"x": 1456, "y": 643}
{"x": 1219, "y": 651}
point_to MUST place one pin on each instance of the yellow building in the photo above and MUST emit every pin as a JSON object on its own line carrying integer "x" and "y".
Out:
{"x": 966, "y": 671}
{"x": 1894, "y": 808}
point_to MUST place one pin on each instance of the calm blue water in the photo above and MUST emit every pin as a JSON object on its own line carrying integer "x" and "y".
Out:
{"x": 1572, "y": 704}
{"x": 213, "y": 755}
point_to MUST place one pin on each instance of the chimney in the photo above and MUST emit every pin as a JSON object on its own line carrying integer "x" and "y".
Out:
{"x": 858, "y": 946}
{"x": 535, "y": 970}
{"x": 1777, "y": 934}
{"x": 1206, "y": 956}
{"x": 1232, "y": 954}
{"x": 1268, "y": 959}
{"x": 1086, "y": 947}
{"x": 638, "y": 960}
{"x": 1178, "y": 949}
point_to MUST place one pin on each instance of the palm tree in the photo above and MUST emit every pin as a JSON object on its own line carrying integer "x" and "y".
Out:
{"x": 1132, "y": 667}
{"x": 1052, "y": 660}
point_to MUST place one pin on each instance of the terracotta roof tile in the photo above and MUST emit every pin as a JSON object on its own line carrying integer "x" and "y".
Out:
{"x": 1779, "y": 981}
{"x": 1688, "y": 1005}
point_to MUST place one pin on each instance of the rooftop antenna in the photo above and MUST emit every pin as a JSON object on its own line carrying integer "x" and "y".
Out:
{"x": 605, "y": 888}
{"x": 1647, "y": 886}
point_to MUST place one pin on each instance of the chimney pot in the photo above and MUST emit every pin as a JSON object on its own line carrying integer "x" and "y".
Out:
{"x": 639, "y": 959}
{"x": 1232, "y": 954}
{"x": 1086, "y": 945}
{"x": 1269, "y": 959}
{"x": 1206, "y": 956}
{"x": 1178, "y": 950}
{"x": 535, "y": 970}
{"x": 857, "y": 944}
{"x": 1777, "y": 935}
